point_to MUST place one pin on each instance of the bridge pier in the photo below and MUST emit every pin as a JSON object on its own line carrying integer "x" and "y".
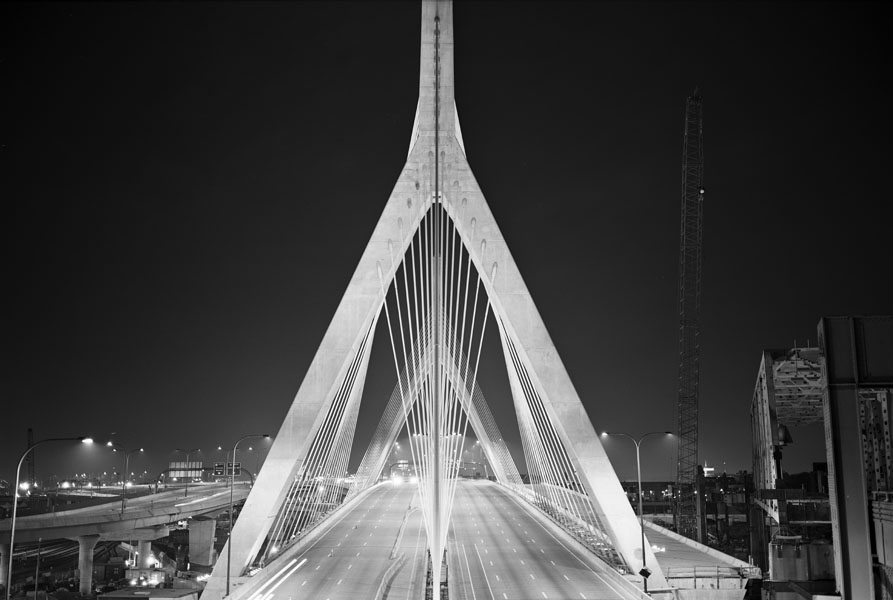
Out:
{"x": 4, "y": 563}
{"x": 201, "y": 541}
{"x": 144, "y": 551}
{"x": 86, "y": 545}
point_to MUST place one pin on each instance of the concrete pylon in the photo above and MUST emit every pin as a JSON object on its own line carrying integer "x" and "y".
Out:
{"x": 144, "y": 550}
{"x": 436, "y": 171}
{"x": 201, "y": 541}
{"x": 86, "y": 545}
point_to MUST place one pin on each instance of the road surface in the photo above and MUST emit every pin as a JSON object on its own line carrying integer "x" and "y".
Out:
{"x": 497, "y": 551}
{"x": 350, "y": 560}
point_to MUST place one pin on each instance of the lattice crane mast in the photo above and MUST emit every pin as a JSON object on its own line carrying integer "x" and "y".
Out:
{"x": 688, "y": 517}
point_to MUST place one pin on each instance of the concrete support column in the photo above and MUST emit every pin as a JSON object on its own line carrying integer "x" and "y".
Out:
{"x": 201, "y": 541}
{"x": 145, "y": 553}
{"x": 4, "y": 564}
{"x": 86, "y": 544}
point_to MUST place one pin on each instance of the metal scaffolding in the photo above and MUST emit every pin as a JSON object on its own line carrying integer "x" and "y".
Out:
{"x": 689, "y": 319}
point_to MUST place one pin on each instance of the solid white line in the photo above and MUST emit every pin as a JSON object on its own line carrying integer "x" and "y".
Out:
{"x": 487, "y": 579}
{"x": 468, "y": 569}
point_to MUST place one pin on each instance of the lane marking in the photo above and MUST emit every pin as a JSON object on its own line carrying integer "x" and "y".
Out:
{"x": 468, "y": 570}
{"x": 487, "y": 579}
{"x": 580, "y": 560}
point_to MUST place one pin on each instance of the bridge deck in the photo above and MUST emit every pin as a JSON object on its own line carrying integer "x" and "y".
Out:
{"x": 498, "y": 550}
{"x": 106, "y": 520}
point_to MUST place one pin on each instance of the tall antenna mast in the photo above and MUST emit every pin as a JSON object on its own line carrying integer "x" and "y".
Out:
{"x": 687, "y": 513}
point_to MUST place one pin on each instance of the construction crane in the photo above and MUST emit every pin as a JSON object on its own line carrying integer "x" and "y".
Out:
{"x": 688, "y": 517}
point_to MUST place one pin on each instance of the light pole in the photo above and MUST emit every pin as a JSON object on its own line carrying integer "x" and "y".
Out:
{"x": 188, "y": 477}
{"x": 115, "y": 447}
{"x": 15, "y": 499}
{"x": 232, "y": 473}
{"x": 645, "y": 572}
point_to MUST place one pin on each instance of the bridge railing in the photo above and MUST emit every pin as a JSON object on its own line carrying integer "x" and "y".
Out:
{"x": 713, "y": 576}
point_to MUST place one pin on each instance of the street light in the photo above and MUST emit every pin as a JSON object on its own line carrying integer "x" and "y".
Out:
{"x": 232, "y": 473}
{"x": 15, "y": 499}
{"x": 115, "y": 447}
{"x": 188, "y": 452}
{"x": 645, "y": 572}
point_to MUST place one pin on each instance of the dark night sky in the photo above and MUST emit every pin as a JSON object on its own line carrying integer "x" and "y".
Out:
{"x": 189, "y": 186}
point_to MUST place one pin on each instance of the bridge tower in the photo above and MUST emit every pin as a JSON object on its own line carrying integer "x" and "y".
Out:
{"x": 436, "y": 229}
{"x": 687, "y": 513}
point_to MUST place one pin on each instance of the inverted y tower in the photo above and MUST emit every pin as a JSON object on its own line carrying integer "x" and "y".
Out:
{"x": 435, "y": 191}
{"x": 687, "y": 513}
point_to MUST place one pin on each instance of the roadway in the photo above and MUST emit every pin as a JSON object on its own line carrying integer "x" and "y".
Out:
{"x": 498, "y": 551}
{"x": 107, "y": 520}
{"x": 351, "y": 558}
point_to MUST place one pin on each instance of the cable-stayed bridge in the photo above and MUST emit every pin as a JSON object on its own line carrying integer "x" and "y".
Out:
{"x": 437, "y": 279}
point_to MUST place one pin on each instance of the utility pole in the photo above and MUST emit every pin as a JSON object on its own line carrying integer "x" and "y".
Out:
{"x": 688, "y": 523}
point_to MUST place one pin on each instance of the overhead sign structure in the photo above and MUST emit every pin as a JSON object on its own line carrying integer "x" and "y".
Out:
{"x": 228, "y": 470}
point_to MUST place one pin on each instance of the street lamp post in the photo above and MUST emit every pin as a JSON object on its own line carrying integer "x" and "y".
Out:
{"x": 15, "y": 499}
{"x": 232, "y": 473}
{"x": 645, "y": 572}
{"x": 188, "y": 452}
{"x": 127, "y": 454}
